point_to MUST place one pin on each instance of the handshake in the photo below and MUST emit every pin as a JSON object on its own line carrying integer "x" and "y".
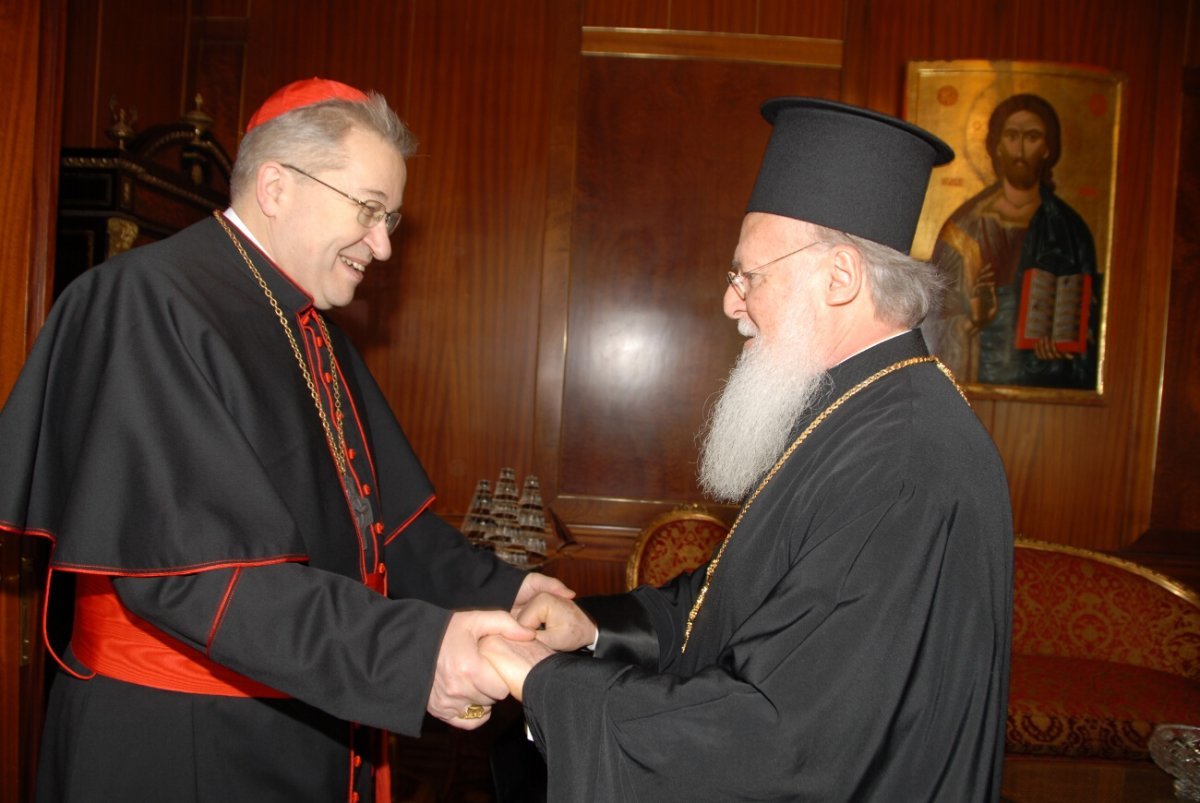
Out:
{"x": 486, "y": 655}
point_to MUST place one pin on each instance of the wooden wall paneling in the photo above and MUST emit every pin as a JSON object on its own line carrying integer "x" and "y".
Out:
{"x": 1176, "y": 499}
{"x": 1176, "y": 475}
{"x": 856, "y": 56}
{"x": 1172, "y": 544}
{"x": 139, "y": 57}
{"x": 754, "y": 48}
{"x": 883, "y": 37}
{"x": 1177, "y": 472}
{"x": 28, "y": 171}
{"x": 821, "y": 19}
{"x": 592, "y": 571}
{"x": 1065, "y": 471}
{"x": 1147, "y": 47}
{"x": 627, "y": 13}
{"x": 564, "y": 65}
{"x": 221, "y": 9}
{"x": 382, "y": 65}
{"x": 217, "y": 73}
{"x": 32, "y": 39}
{"x": 723, "y": 16}
{"x": 457, "y": 311}
{"x": 667, "y": 154}
{"x": 18, "y": 44}
{"x": 283, "y": 46}
{"x": 81, "y": 106}
{"x": 1192, "y": 58}
{"x": 657, "y": 211}
{"x": 1153, "y": 160}
{"x": 47, "y": 121}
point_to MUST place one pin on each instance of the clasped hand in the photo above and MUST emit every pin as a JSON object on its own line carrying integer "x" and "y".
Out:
{"x": 558, "y": 623}
{"x": 467, "y": 676}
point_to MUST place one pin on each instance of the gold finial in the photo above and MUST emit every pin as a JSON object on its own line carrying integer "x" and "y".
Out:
{"x": 197, "y": 119}
{"x": 121, "y": 131}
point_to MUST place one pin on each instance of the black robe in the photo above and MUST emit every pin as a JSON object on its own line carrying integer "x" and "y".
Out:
{"x": 162, "y": 433}
{"x": 854, "y": 643}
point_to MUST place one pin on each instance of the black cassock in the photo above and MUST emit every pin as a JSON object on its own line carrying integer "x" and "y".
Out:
{"x": 854, "y": 643}
{"x": 162, "y": 433}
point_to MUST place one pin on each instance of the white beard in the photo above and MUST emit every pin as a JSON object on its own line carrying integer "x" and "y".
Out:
{"x": 769, "y": 388}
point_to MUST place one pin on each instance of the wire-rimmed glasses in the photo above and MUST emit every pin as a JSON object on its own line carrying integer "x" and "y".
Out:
{"x": 370, "y": 213}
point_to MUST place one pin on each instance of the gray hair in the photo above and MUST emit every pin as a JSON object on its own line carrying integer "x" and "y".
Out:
{"x": 903, "y": 289}
{"x": 312, "y": 136}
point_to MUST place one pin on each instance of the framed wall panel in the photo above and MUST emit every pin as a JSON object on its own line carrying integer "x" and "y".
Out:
{"x": 667, "y": 151}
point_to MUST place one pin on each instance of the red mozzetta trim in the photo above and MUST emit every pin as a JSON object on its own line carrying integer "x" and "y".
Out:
{"x": 15, "y": 530}
{"x": 118, "y": 571}
{"x": 410, "y": 520}
{"x": 220, "y": 617}
{"x": 115, "y": 643}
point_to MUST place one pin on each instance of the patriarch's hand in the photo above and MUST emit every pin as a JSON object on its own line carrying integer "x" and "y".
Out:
{"x": 560, "y": 623}
{"x": 536, "y": 583}
{"x": 512, "y": 660}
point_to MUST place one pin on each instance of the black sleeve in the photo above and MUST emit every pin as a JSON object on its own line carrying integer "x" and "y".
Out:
{"x": 625, "y": 633}
{"x": 317, "y": 636}
{"x": 431, "y": 560}
{"x": 646, "y": 626}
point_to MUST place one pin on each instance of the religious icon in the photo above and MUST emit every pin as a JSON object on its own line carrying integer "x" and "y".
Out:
{"x": 1020, "y": 223}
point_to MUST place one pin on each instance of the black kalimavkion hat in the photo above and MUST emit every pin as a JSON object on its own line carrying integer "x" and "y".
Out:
{"x": 846, "y": 168}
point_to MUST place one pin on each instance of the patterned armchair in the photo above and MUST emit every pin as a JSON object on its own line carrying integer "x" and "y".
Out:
{"x": 1103, "y": 650}
{"x": 679, "y": 540}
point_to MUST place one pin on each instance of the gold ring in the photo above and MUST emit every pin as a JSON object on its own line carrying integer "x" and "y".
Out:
{"x": 474, "y": 712}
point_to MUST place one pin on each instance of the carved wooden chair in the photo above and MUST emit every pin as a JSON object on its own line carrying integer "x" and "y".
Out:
{"x": 677, "y": 541}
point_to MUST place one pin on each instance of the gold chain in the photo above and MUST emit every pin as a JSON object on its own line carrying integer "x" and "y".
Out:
{"x": 712, "y": 566}
{"x": 338, "y": 445}
{"x": 337, "y": 394}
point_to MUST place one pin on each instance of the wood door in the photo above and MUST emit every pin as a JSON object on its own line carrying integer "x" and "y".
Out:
{"x": 31, "y": 44}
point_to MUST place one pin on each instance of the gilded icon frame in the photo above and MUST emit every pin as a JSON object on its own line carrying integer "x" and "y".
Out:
{"x": 994, "y": 357}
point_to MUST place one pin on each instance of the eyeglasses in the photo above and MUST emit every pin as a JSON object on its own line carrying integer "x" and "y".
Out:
{"x": 737, "y": 278}
{"x": 370, "y": 213}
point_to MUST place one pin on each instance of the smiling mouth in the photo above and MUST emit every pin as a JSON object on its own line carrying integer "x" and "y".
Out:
{"x": 361, "y": 267}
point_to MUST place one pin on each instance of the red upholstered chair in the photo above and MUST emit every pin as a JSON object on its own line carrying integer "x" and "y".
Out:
{"x": 1104, "y": 649}
{"x": 678, "y": 541}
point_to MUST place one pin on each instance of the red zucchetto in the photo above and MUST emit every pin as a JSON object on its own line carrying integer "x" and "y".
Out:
{"x": 302, "y": 93}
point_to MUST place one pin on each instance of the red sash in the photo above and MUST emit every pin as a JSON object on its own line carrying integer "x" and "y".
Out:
{"x": 115, "y": 643}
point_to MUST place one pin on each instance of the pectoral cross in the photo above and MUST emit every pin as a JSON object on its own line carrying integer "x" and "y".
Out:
{"x": 360, "y": 508}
